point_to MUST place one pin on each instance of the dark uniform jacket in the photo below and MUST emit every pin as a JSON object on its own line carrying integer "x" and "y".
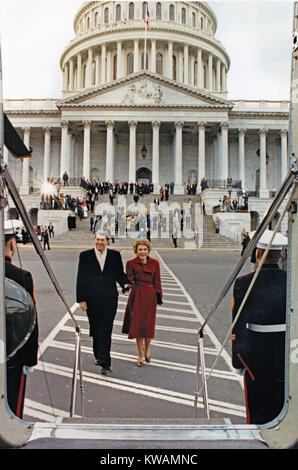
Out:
{"x": 27, "y": 355}
{"x": 261, "y": 353}
{"x": 99, "y": 289}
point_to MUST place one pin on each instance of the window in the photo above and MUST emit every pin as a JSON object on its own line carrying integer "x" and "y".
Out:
{"x": 129, "y": 63}
{"x": 159, "y": 63}
{"x": 195, "y": 73}
{"x": 158, "y": 11}
{"x": 193, "y": 20}
{"x": 147, "y": 61}
{"x": 202, "y": 23}
{"x": 183, "y": 16}
{"x": 118, "y": 12}
{"x": 93, "y": 73}
{"x": 106, "y": 15}
{"x": 172, "y": 13}
{"x": 96, "y": 19}
{"x": 144, "y": 10}
{"x": 131, "y": 11}
{"x": 88, "y": 22}
{"x": 115, "y": 67}
{"x": 174, "y": 68}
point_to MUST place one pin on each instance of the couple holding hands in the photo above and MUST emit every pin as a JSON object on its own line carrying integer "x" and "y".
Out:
{"x": 98, "y": 272}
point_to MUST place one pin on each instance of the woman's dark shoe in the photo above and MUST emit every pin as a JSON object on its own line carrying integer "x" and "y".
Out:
{"x": 148, "y": 359}
{"x": 140, "y": 363}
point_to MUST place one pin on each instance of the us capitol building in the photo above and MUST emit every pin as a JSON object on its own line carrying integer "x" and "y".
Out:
{"x": 150, "y": 105}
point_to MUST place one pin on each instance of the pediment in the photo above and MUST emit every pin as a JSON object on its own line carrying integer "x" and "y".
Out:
{"x": 145, "y": 89}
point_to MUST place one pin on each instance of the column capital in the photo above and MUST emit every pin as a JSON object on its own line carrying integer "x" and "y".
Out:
{"x": 156, "y": 124}
{"x": 242, "y": 131}
{"x": 87, "y": 124}
{"x": 65, "y": 124}
{"x": 179, "y": 124}
{"x": 47, "y": 130}
{"x": 110, "y": 124}
{"x": 262, "y": 131}
{"x": 26, "y": 130}
{"x": 224, "y": 125}
{"x": 202, "y": 125}
{"x": 132, "y": 124}
{"x": 283, "y": 132}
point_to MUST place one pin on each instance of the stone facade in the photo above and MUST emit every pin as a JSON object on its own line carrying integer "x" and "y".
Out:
{"x": 175, "y": 104}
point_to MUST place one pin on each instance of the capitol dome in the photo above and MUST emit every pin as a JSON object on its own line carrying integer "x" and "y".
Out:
{"x": 111, "y": 43}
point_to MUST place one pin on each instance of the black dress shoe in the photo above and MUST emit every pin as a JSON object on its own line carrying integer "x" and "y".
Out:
{"x": 107, "y": 371}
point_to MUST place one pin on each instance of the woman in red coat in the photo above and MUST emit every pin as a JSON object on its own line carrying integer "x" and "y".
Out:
{"x": 143, "y": 274}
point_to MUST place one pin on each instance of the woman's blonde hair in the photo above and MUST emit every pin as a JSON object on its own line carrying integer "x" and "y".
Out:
{"x": 141, "y": 241}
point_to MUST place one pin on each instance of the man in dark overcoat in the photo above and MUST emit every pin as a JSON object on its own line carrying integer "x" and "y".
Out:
{"x": 23, "y": 362}
{"x": 258, "y": 337}
{"x": 98, "y": 272}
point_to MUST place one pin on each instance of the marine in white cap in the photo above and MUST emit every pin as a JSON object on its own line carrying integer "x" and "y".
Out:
{"x": 258, "y": 338}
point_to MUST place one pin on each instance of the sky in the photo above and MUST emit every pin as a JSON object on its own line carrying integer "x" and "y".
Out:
{"x": 256, "y": 34}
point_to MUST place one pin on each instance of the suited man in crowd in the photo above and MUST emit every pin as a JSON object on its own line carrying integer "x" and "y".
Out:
{"x": 258, "y": 337}
{"x": 98, "y": 272}
{"x": 22, "y": 363}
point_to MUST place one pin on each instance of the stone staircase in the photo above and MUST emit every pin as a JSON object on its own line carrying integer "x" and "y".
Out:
{"x": 83, "y": 237}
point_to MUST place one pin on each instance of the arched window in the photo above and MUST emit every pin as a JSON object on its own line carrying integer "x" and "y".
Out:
{"x": 129, "y": 63}
{"x": 158, "y": 11}
{"x": 88, "y": 22}
{"x": 195, "y": 73}
{"x": 144, "y": 10}
{"x": 172, "y": 13}
{"x": 147, "y": 61}
{"x": 131, "y": 11}
{"x": 118, "y": 12}
{"x": 205, "y": 76}
{"x": 159, "y": 63}
{"x": 193, "y": 19}
{"x": 183, "y": 16}
{"x": 115, "y": 67}
{"x": 174, "y": 68}
{"x": 106, "y": 15}
{"x": 96, "y": 19}
{"x": 84, "y": 75}
{"x": 202, "y": 23}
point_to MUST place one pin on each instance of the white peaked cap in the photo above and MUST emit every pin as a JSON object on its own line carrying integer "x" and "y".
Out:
{"x": 11, "y": 226}
{"x": 278, "y": 243}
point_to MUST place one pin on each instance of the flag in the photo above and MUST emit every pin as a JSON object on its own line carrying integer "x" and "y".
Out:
{"x": 147, "y": 18}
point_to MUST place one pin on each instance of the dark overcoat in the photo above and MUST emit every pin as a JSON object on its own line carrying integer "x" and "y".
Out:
{"x": 258, "y": 350}
{"x": 99, "y": 289}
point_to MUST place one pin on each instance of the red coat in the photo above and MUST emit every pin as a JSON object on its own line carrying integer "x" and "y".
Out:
{"x": 140, "y": 314}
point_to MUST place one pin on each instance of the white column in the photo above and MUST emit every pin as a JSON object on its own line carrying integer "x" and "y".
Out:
{"x": 66, "y": 77}
{"x": 179, "y": 189}
{"x": 89, "y": 68}
{"x": 132, "y": 151}
{"x": 242, "y": 133}
{"x": 109, "y": 66}
{"x": 79, "y": 71}
{"x": 136, "y": 61}
{"x": 119, "y": 60}
{"x": 223, "y": 78}
{"x": 64, "y": 148}
{"x": 5, "y": 155}
{"x": 263, "y": 171}
{"x": 103, "y": 63}
{"x": 97, "y": 68}
{"x": 218, "y": 72}
{"x": 153, "y": 55}
{"x": 186, "y": 75}
{"x": 224, "y": 151}
{"x": 155, "y": 156}
{"x": 202, "y": 151}
{"x": 210, "y": 72}
{"x": 47, "y": 153}
{"x": 200, "y": 69}
{"x": 25, "y": 180}
{"x": 110, "y": 151}
{"x": 170, "y": 60}
{"x": 71, "y": 75}
{"x": 87, "y": 145}
{"x": 284, "y": 154}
